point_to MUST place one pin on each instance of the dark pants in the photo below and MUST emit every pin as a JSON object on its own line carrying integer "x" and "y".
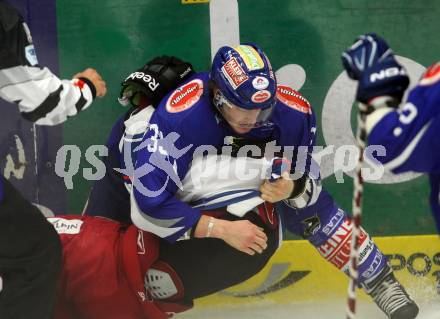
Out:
{"x": 30, "y": 259}
{"x": 209, "y": 265}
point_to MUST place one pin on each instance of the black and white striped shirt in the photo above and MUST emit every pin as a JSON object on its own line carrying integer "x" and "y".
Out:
{"x": 40, "y": 95}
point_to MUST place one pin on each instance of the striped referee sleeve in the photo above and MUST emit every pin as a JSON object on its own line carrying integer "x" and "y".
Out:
{"x": 41, "y": 96}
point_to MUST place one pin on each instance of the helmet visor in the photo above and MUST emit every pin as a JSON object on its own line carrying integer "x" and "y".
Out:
{"x": 239, "y": 117}
{"x": 131, "y": 93}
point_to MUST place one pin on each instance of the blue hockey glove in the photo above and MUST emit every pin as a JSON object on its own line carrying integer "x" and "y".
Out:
{"x": 381, "y": 78}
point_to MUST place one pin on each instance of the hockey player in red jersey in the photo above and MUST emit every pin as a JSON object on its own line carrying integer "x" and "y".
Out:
{"x": 104, "y": 265}
{"x": 114, "y": 270}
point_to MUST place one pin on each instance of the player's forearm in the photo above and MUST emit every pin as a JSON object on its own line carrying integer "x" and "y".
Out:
{"x": 210, "y": 227}
{"x": 163, "y": 215}
{"x": 242, "y": 234}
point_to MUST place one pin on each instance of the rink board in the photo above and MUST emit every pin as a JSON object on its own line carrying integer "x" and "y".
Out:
{"x": 298, "y": 273}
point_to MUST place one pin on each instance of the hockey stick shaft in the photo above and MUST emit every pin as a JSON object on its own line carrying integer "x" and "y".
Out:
{"x": 358, "y": 191}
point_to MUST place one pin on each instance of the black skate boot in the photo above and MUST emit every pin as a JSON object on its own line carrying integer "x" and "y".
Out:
{"x": 390, "y": 296}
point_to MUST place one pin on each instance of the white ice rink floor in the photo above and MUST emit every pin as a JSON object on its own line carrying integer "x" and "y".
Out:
{"x": 304, "y": 310}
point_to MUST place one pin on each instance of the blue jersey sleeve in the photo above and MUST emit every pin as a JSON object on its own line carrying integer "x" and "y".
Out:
{"x": 409, "y": 135}
{"x": 297, "y": 128}
{"x": 303, "y": 149}
{"x": 297, "y": 136}
{"x": 163, "y": 158}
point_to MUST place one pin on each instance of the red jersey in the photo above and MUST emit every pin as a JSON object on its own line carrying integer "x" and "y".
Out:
{"x": 104, "y": 263}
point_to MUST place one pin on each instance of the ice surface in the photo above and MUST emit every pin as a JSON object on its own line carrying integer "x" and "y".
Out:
{"x": 303, "y": 310}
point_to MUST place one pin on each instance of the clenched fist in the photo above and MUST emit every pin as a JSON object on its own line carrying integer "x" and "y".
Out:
{"x": 275, "y": 191}
{"x": 95, "y": 78}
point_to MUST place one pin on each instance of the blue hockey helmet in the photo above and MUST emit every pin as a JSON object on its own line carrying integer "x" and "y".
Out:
{"x": 244, "y": 76}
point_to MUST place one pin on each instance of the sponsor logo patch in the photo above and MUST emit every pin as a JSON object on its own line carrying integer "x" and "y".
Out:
{"x": 271, "y": 74}
{"x": 234, "y": 73}
{"x": 334, "y": 222}
{"x": 261, "y": 96}
{"x": 432, "y": 75}
{"x": 250, "y": 57}
{"x": 31, "y": 55}
{"x": 260, "y": 83}
{"x": 374, "y": 267}
{"x": 66, "y": 226}
{"x": 366, "y": 249}
{"x": 337, "y": 248}
{"x": 311, "y": 225}
{"x": 292, "y": 98}
{"x": 185, "y": 96}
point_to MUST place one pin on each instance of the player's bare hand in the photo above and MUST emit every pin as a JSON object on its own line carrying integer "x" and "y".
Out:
{"x": 95, "y": 78}
{"x": 245, "y": 236}
{"x": 277, "y": 190}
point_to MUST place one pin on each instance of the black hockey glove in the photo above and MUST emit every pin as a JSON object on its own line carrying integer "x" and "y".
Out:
{"x": 150, "y": 84}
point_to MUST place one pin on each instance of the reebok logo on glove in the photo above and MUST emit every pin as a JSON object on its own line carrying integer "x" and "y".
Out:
{"x": 387, "y": 73}
{"x": 148, "y": 79}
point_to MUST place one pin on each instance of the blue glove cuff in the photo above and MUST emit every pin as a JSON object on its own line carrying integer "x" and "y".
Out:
{"x": 386, "y": 78}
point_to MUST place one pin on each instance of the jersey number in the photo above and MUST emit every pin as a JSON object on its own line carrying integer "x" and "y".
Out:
{"x": 408, "y": 113}
{"x": 157, "y": 135}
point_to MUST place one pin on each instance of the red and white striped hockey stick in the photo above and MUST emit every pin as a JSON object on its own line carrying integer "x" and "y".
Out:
{"x": 358, "y": 190}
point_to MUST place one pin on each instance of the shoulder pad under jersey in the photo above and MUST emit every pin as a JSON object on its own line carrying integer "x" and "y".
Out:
{"x": 432, "y": 75}
{"x": 293, "y": 99}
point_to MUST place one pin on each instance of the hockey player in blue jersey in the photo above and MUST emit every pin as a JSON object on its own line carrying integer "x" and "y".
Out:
{"x": 207, "y": 104}
{"x": 237, "y": 104}
{"x": 246, "y": 243}
{"x": 408, "y": 131}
